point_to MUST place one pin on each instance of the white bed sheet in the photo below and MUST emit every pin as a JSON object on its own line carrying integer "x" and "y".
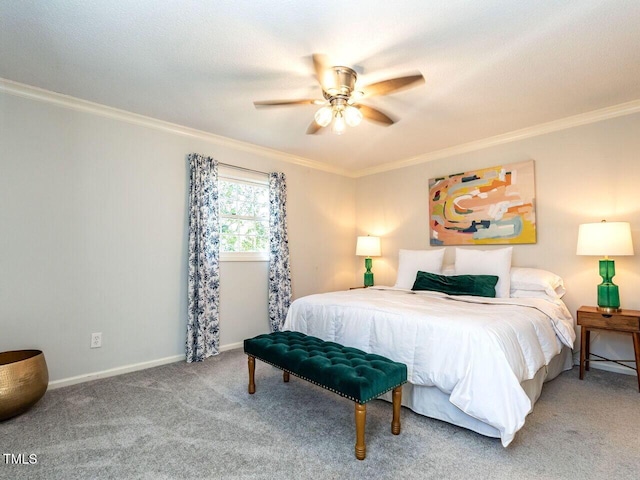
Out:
{"x": 431, "y": 402}
{"x": 477, "y": 351}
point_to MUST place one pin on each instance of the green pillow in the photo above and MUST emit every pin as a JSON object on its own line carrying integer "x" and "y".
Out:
{"x": 477, "y": 285}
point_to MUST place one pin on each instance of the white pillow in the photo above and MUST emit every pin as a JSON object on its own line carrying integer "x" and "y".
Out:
{"x": 412, "y": 261}
{"x": 486, "y": 262}
{"x": 535, "y": 294}
{"x": 535, "y": 279}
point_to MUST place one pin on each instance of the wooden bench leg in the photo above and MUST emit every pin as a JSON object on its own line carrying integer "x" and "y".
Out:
{"x": 361, "y": 419}
{"x": 252, "y": 371}
{"x": 397, "y": 403}
{"x": 285, "y": 376}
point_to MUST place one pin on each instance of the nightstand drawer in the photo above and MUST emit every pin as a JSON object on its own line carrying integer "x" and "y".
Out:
{"x": 612, "y": 321}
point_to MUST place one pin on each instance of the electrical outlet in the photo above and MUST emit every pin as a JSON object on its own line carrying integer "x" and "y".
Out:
{"x": 96, "y": 340}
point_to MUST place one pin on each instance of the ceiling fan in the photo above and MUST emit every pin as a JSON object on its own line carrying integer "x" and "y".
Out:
{"x": 341, "y": 98}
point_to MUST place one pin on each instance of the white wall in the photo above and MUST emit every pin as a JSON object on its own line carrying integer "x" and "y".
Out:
{"x": 93, "y": 229}
{"x": 93, "y": 219}
{"x": 583, "y": 174}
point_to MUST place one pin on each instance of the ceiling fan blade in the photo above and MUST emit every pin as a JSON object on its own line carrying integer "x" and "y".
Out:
{"x": 392, "y": 85}
{"x": 278, "y": 103}
{"x": 375, "y": 115}
{"x": 323, "y": 70}
{"x": 313, "y": 128}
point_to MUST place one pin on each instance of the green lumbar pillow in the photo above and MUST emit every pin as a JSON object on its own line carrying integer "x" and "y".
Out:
{"x": 477, "y": 285}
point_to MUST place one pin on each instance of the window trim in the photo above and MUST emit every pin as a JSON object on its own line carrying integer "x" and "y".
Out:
{"x": 250, "y": 179}
{"x": 244, "y": 256}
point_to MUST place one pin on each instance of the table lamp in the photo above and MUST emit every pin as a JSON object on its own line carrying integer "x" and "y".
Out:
{"x": 368, "y": 247}
{"x": 604, "y": 239}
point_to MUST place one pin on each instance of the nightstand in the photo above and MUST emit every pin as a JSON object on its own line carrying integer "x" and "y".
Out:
{"x": 624, "y": 321}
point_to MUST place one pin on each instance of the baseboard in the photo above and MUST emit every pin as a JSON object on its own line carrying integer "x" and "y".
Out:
{"x": 231, "y": 346}
{"x": 611, "y": 367}
{"x": 112, "y": 372}
{"x": 607, "y": 366}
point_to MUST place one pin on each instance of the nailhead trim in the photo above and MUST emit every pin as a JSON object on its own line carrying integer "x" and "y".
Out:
{"x": 361, "y": 402}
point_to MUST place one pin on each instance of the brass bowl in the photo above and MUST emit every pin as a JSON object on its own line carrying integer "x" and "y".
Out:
{"x": 23, "y": 380}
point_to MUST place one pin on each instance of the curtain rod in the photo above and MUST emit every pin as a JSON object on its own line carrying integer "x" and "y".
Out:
{"x": 242, "y": 168}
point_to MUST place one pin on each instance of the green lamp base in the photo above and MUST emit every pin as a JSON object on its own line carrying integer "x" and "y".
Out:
{"x": 368, "y": 275}
{"x": 608, "y": 294}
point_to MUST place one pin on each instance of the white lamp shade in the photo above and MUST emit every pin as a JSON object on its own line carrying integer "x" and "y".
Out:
{"x": 604, "y": 239}
{"x": 368, "y": 247}
{"x": 352, "y": 115}
{"x": 324, "y": 116}
{"x": 338, "y": 124}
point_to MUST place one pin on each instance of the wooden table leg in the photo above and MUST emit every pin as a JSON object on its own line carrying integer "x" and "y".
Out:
{"x": 397, "y": 403}
{"x": 587, "y": 353}
{"x": 361, "y": 418}
{"x": 636, "y": 349}
{"x": 285, "y": 376}
{"x": 583, "y": 348}
{"x": 252, "y": 372}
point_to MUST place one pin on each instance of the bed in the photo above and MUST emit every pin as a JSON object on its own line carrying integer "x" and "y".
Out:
{"x": 476, "y": 362}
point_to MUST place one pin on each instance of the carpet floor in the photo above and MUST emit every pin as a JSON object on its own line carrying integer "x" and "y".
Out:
{"x": 198, "y": 422}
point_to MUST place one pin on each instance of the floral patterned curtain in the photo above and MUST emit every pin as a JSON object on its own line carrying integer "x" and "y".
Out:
{"x": 279, "y": 271}
{"x": 203, "y": 335}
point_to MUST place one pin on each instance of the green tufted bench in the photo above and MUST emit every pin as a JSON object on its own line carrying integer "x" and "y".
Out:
{"x": 349, "y": 372}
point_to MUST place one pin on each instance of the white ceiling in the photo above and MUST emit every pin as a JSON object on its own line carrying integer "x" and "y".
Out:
{"x": 491, "y": 66}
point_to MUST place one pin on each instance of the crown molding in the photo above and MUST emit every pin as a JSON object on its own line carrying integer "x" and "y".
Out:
{"x": 594, "y": 116}
{"x": 72, "y": 103}
{"x": 66, "y": 101}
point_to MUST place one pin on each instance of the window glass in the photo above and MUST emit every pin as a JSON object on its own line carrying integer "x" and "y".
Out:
{"x": 244, "y": 219}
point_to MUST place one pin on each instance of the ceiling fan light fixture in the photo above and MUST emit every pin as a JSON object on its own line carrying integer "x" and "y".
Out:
{"x": 352, "y": 115}
{"x": 338, "y": 123}
{"x": 324, "y": 116}
{"x": 340, "y": 106}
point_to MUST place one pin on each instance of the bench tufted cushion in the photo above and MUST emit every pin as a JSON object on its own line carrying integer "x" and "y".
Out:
{"x": 350, "y": 372}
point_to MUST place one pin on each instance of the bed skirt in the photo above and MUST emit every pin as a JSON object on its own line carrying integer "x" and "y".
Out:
{"x": 432, "y": 402}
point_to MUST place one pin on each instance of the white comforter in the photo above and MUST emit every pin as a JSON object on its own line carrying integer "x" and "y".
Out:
{"x": 477, "y": 350}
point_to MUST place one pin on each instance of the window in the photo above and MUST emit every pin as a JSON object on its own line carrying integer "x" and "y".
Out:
{"x": 244, "y": 217}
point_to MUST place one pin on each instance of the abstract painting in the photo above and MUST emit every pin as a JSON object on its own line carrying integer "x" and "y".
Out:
{"x": 493, "y": 205}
